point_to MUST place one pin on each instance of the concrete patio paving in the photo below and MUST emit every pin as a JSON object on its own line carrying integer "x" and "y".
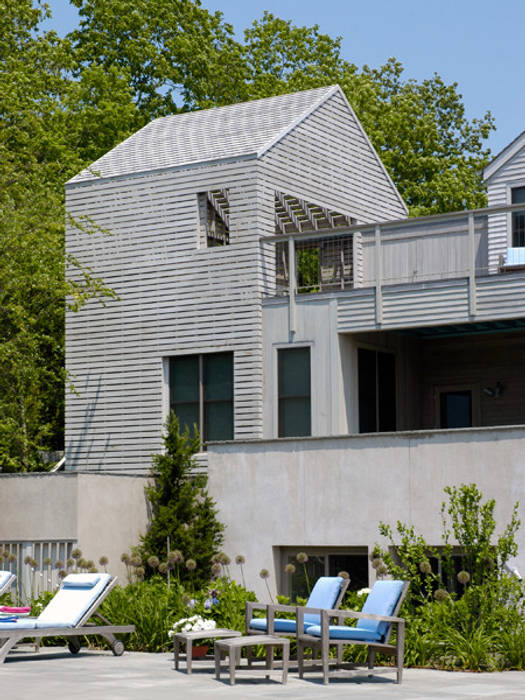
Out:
{"x": 55, "y": 673}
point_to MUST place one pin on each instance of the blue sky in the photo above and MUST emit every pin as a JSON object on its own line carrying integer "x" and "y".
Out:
{"x": 476, "y": 43}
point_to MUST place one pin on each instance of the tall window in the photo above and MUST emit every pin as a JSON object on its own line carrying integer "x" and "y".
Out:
{"x": 201, "y": 394}
{"x": 518, "y": 218}
{"x": 294, "y": 392}
{"x": 377, "y": 391}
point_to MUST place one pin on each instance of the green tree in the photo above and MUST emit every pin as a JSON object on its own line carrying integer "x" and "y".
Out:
{"x": 181, "y": 508}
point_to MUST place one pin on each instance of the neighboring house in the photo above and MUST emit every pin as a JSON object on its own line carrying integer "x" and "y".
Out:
{"x": 343, "y": 363}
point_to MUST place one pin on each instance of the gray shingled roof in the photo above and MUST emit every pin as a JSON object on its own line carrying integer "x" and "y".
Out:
{"x": 208, "y": 135}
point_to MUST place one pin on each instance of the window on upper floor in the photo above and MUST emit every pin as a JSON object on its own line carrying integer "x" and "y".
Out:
{"x": 518, "y": 218}
{"x": 201, "y": 393}
{"x": 214, "y": 218}
{"x": 377, "y": 391}
{"x": 294, "y": 392}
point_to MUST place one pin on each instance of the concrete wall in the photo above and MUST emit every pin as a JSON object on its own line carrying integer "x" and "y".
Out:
{"x": 104, "y": 514}
{"x": 333, "y": 492}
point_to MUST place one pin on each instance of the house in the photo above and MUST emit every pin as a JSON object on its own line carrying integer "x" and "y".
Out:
{"x": 343, "y": 362}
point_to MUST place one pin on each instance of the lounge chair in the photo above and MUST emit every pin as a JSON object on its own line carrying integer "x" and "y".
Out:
{"x": 67, "y": 615}
{"x": 6, "y": 581}
{"x": 374, "y": 627}
{"x": 327, "y": 593}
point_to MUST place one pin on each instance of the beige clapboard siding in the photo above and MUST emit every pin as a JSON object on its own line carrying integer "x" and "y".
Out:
{"x": 441, "y": 302}
{"x": 501, "y": 296}
{"x": 356, "y": 311}
{"x": 498, "y": 194}
{"x": 328, "y": 160}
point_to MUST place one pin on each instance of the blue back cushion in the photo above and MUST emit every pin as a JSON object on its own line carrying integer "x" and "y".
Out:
{"x": 381, "y": 600}
{"x": 324, "y": 595}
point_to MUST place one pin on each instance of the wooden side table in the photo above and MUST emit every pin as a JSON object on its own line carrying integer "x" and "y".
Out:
{"x": 235, "y": 645}
{"x": 189, "y": 637}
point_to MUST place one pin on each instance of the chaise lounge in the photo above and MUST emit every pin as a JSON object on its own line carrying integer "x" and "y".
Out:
{"x": 68, "y": 615}
{"x": 6, "y": 581}
{"x": 374, "y": 626}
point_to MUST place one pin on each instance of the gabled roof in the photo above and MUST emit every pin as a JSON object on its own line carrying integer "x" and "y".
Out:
{"x": 232, "y": 132}
{"x": 504, "y": 156}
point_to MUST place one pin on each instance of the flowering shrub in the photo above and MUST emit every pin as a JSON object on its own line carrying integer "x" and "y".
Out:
{"x": 195, "y": 623}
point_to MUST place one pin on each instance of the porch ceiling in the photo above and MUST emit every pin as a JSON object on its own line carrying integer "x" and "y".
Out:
{"x": 474, "y": 328}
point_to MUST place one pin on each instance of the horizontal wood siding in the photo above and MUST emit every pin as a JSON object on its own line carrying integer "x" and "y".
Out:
{"x": 174, "y": 298}
{"x": 327, "y": 160}
{"x": 501, "y": 296}
{"x": 439, "y": 303}
{"x": 511, "y": 173}
{"x": 356, "y": 312}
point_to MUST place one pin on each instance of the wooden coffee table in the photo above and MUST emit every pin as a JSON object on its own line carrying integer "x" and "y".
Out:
{"x": 189, "y": 637}
{"x": 235, "y": 645}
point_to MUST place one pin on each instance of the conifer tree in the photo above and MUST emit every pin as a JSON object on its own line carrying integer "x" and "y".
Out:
{"x": 181, "y": 508}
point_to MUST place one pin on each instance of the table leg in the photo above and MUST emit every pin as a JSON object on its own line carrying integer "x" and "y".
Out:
{"x": 217, "y": 656}
{"x": 233, "y": 657}
{"x": 176, "y": 649}
{"x": 189, "y": 650}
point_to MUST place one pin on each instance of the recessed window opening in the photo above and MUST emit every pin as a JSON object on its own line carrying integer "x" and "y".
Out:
{"x": 214, "y": 218}
{"x": 201, "y": 394}
{"x": 377, "y": 391}
{"x": 518, "y": 218}
{"x": 294, "y": 392}
{"x": 455, "y": 409}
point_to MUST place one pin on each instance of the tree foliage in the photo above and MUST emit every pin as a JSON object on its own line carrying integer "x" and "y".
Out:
{"x": 181, "y": 508}
{"x": 66, "y": 101}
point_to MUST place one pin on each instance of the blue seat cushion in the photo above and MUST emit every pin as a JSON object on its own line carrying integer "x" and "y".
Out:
{"x": 280, "y": 625}
{"x": 324, "y": 595}
{"x": 342, "y": 632}
{"x": 381, "y": 600}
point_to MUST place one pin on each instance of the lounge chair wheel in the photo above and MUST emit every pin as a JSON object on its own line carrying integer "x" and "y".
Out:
{"x": 74, "y": 645}
{"x": 118, "y": 647}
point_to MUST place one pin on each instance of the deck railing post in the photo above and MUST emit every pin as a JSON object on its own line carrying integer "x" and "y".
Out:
{"x": 472, "y": 265}
{"x": 292, "y": 285}
{"x": 379, "y": 276}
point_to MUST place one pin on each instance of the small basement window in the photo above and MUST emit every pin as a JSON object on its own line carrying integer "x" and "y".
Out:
{"x": 214, "y": 218}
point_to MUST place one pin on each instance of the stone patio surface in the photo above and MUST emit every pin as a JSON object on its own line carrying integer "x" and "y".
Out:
{"x": 98, "y": 675}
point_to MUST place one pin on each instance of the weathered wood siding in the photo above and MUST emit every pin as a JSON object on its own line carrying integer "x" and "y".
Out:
{"x": 512, "y": 173}
{"x": 174, "y": 298}
{"x": 327, "y": 159}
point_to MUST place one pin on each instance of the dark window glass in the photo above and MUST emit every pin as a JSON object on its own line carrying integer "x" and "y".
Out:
{"x": 294, "y": 392}
{"x": 209, "y": 377}
{"x": 518, "y": 218}
{"x": 377, "y": 391}
{"x": 355, "y": 564}
{"x": 456, "y": 409}
{"x": 315, "y": 567}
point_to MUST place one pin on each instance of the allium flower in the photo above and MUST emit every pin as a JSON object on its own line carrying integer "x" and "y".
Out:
{"x": 382, "y": 570}
{"x": 62, "y": 574}
{"x": 47, "y": 561}
{"x": 191, "y": 564}
{"x": 11, "y": 557}
{"x": 70, "y": 562}
{"x": 264, "y": 573}
{"x": 59, "y": 564}
{"x": 93, "y": 570}
{"x": 163, "y": 567}
{"x": 424, "y": 566}
{"x": 153, "y": 561}
{"x": 135, "y": 560}
{"x": 27, "y": 560}
{"x": 82, "y": 563}
{"x": 240, "y": 560}
{"x": 224, "y": 559}
{"x": 76, "y": 553}
{"x": 33, "y": 563}
{"x": 175, "y": 557}
{"x": 125, "y": 558}
{"x": 140, "y": 571}
{"x": 216, "y": 558}
{"x": 289, "y": 569}
{"x": 90, "y": 564}
{"x": 103, "y": 561}
{"x": 464, "y": 577}
{"x": 344, "y": 574}
{"x": 302, "y": 557}
{"x": 440, "y": 595}
{"x": 216, "y": 569}
{"x": 377, "y": 561}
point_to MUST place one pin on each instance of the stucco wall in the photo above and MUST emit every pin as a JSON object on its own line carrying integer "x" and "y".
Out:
{"x": 333, "y": 492}
{"x": 104, "y": 513}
